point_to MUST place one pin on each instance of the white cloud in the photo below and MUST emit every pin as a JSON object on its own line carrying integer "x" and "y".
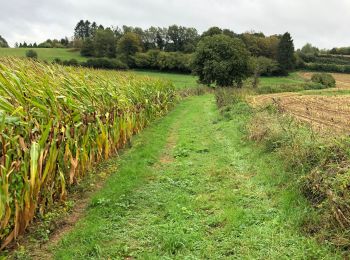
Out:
{"x": 321, "y": 22}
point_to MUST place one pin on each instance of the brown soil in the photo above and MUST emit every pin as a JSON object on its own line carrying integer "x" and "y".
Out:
{"x": 324, "y": 113}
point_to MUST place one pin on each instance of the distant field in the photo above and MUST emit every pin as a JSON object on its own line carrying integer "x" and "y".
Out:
{"x": 48, "y": 54}
{"x": 293, "y": 78}
{"x": 181, "y": 81}
{"x": 325, "y": 110}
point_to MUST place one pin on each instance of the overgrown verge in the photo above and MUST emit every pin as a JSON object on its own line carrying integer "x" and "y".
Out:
{"x": 56, "y": 124}
{"x": 319, "y": 164}
{"x": 322, "y": 165}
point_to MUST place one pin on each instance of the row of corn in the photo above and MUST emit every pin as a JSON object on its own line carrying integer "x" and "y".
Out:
{"x": 58, "y": 122}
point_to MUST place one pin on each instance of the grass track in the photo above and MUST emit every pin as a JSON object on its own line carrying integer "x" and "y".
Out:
{"x": 192, "y": 188}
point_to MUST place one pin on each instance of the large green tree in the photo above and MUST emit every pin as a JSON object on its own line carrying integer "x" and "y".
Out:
{"x": 308, "y": 49}
{"x": 221, "y": 60}
{"x": 128, "y": 45}
{"x": 105, "y": 43}
{"x": 285, "y": 54}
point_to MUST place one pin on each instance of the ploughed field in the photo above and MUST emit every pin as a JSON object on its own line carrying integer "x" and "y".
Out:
{"x": 325, "y": 110}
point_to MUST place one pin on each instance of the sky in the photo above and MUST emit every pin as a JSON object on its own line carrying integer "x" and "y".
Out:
{"x": 323, "y": 23}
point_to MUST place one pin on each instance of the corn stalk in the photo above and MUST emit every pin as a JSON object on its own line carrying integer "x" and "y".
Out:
{"x": 56, "y": 123}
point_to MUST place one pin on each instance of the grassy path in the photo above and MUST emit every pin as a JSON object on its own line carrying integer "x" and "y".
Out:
{"x": 192, "y": 188}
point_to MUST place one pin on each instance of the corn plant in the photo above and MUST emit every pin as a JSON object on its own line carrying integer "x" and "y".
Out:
{"x": 56, "y": 123}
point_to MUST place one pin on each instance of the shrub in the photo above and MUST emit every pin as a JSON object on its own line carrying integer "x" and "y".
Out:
{"x": 45, "y": 45}
{"x": 101, "y": 63}
{"x": 31, "y": 54}
{"x": 57, "y": 61}
{"x": 143, "y": 61}
{"x": 324, "y": 79}
{"x": 165, "y": 61}
{"x": 71, "y": 62}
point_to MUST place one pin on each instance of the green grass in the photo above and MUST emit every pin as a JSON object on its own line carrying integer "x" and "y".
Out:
{"x": 181, "y": 81}
{"x": 292, "y": 79}
{"x": 48, "y": 54}
{"x": 193, "y": 187}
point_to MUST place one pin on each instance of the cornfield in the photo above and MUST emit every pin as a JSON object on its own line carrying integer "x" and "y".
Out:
{"x": 56, "y": 123}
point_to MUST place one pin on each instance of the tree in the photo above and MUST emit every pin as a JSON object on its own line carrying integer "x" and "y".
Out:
{"x": 212, "y": 31}
{"x": 222, "y": 60}
{"x": 83, "y": 29}
{"x": 181, "y": 38}
{"x": 308, "y": 49}
{"x": 105, "y": 43}
{"x": 128, "y": 45}
{"x": 3, "y": 43}
{"x": 285, "y": 54}
{"x": 230, "y": 33}
{"x": 31, "y": 54}
{"x": 88, "y": 48}
{"x": 161, "y": 38}
{"x": 64, "y": 41}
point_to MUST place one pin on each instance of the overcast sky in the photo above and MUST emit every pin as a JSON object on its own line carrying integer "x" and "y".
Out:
{"x": 324, "y": 23}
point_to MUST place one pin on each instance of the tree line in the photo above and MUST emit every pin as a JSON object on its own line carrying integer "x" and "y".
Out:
{"x": 182, "y": 49}
{"x": 49, "y": 43}
{"x": 171, "y": 48}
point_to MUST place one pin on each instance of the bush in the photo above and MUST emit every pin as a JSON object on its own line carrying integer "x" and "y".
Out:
{"x": 165, "y": 61}
{"x": 101, "y": 63}
{"x": 324, "y": 79}
{"x": 71, "y": 62}
{"x": 57, "y": 61}
{"x": 31, "y": 54}
{"x": 45, "y": 45}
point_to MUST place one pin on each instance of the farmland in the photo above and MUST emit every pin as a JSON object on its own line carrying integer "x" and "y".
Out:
{"x": 141, "y": 130}
{"x": 178, "y": 190}
{"x": 184, "y": 175}
{"x": 57, "y": 123}
{"x": 47, "y": 54}
{"x": 325, "y": 110}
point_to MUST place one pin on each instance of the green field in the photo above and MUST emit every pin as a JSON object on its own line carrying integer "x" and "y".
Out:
{"x": 181, "y": 81}
{"x": 292, "y": 79}
{"x": 47, "y": 54}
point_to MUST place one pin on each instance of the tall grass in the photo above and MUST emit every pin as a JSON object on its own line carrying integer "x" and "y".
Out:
{"x": 56, "y": 123}
{"x": 322, "y": 164}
